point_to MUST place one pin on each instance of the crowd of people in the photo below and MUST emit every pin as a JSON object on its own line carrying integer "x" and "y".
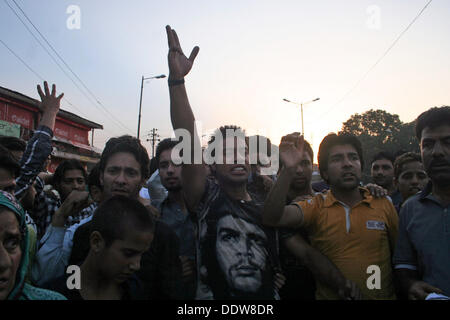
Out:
{"x": 224, "y": 230}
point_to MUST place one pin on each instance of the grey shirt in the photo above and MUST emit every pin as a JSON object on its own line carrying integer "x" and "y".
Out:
{"x": 180, "y": 223}
{"x": 423, "y": 242}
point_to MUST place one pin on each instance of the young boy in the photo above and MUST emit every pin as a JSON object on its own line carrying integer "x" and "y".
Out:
{"x": 121, "y": 231}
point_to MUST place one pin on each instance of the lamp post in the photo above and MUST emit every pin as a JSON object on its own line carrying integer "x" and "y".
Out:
{"x": 140, "y": 102}
{"x": 301, "y": 104}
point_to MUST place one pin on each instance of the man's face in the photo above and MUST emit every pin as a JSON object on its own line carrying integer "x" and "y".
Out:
{"x": 435, "y": 150}
{"x": 122, "y": 175}
{"x": 241, "y": 253}
{"x": 7, "y": 181}
{"x": 10, "y": 251}
{"x": 303, "y": 174}
{"x": 231, "y": 172}
{"x": 73, "y": 179}
{"x": 169, "y": 173}
{"x": 382, "y": 172}
{"x": 122, "y": 258}
{"x": 344, "y": 167}
{"x": 412, "y": 179}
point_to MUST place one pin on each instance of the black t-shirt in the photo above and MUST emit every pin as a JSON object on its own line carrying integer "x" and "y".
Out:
{"x": 131, "y": 289}
{"x": 160, "y": 271}
{"x": 237, "y": 255}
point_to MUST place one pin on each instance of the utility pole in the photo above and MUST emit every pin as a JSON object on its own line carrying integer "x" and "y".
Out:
{"x": 154, "y": 137}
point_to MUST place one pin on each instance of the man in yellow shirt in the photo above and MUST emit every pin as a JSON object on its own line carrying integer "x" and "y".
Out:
{"x": 354, "y": 230}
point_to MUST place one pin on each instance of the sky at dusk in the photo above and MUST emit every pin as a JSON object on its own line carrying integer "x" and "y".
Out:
{"x": 252, "y": 55}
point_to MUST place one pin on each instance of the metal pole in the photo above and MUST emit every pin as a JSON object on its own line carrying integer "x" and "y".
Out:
{"x": 301, "y": 108}
{"x": 140, "y": 106}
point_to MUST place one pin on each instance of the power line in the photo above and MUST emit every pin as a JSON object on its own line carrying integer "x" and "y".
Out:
{"x": 35, "y": 73}
{"x": 378, "y": 61}
{"x": 42, "y": 79}
{"x": 108, "y": 113}
{"x": 68, "y": 67}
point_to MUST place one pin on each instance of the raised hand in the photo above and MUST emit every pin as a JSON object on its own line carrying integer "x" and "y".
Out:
{"x": 49, "y": 102}
{"x": 291, "y": 150}
{"x": 49, "y": 105}
{"x": 179, "y": 64}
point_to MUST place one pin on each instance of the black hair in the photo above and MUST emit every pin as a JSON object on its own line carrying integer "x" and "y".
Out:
{"x": 383, "y": 155}
{"x": 432, "y": 118}
{"x": 164, "y": 145}
{"x": 71, "y": 164}
{"x": 8, "y": 162}
{"x": 119, "y": 214}
{"x": 127, "y": 144}
{"x": 404, "y": 159}
{"x": 94, "y": 176}
{"x": 13, "y": 143}
{"x": 222, "y": 131}
{"x": 332, "y": 140}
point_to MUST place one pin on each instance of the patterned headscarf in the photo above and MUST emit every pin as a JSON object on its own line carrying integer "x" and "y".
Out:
{"x": 9, "y": 201}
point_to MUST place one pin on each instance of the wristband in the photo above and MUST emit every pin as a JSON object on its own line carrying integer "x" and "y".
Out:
{"x": 175, "y": 82}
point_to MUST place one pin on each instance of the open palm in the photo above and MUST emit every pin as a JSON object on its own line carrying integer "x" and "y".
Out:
{"x": 179, "y": 64}
{"x": 291, "y": 150}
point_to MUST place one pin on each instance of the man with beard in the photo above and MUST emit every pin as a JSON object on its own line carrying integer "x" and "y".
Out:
{"x": 350, "y": 227}
{"x": 175, "y": 214}
{"x": 422, "y": 259}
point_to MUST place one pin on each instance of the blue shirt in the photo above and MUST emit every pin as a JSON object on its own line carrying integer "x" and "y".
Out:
{"x": 423, "y": 242}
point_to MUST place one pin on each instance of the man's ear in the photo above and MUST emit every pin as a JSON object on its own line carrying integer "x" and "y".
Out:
{"x": 96, "y": 241}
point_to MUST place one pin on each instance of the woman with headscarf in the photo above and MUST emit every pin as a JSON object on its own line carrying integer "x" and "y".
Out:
{"x": 14, "y": 257}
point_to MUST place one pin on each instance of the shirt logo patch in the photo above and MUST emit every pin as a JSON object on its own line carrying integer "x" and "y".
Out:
{"x": 375, "y": 225}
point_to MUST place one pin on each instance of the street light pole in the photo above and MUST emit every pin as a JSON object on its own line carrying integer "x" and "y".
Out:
{"x": 301, "y": 109}
{"x": 140, "y": 100}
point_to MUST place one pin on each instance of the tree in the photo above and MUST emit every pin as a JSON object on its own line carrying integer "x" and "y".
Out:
{"x": 378, "y": 131}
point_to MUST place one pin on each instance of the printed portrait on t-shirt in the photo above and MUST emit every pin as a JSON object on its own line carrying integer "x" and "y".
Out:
{"x": 235, "y": 256}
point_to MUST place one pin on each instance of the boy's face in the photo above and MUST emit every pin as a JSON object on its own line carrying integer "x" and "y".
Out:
{"x": 122, "y": 258}
{"x": 412, "y": 179}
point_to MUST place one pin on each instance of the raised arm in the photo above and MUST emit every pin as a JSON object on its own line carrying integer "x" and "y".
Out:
{"x": 39, "y": 146}
{"x": 276, "y": 213}
{"x": 193, "y": 175}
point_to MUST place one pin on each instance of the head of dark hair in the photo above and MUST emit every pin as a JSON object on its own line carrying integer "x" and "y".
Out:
{"x": 119, "y": 215}
{"x": 127, "y": 144}
{"x": 13, "y": 143}
{"x": 222, "y": 131}
{"x": 332, "y": 140}
{"x": 383, "y": 155}
{"x": 64, "y": 166}
{"x": 432, "y": 118}
{"x": 8, "y": 162}
{"x": 94, "y": 176}
{"x": 404, "y": 159}
{"x": 164, "y": 145}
